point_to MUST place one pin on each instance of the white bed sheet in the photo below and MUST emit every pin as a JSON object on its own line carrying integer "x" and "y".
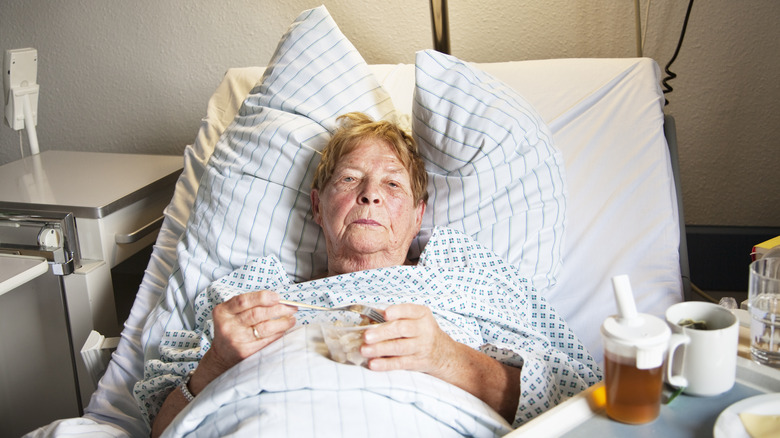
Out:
{"x": 606, "y": 118}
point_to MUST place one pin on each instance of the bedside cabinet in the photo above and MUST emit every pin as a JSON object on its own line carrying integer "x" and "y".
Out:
{"x": 86, "y": 213}
{"x": 37, "y": 378}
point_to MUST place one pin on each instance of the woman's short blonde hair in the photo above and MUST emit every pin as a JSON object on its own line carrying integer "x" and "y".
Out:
{"x": 357, "y": 127}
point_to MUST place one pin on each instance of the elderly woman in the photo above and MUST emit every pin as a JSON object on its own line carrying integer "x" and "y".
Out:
{"x": 368, "y": 196}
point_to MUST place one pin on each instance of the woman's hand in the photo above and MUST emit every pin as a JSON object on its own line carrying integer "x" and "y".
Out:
{"x": 246, "y": 324}
{"x": 410, "y": 340}
{"x": 243, "y": 325}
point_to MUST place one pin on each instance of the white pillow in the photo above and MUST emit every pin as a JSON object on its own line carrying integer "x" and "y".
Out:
{"x": 253, "y": 199}
{"x": 494, "y": 171}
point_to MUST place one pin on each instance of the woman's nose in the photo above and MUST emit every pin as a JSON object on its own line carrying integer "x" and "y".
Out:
{"x": 369, "y": 194}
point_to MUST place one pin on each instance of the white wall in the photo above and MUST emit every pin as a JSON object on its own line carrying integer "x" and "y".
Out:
{"x": 134, "y": 76}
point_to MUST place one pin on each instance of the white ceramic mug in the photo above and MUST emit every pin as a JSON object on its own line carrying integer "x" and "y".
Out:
{"x": 703, "y": 361}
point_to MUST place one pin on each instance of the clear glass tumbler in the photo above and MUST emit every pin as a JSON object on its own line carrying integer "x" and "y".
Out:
{"x": 764, "y": 307}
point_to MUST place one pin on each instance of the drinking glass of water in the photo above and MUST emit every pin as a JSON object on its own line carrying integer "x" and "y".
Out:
{"x": 764, "y": 306}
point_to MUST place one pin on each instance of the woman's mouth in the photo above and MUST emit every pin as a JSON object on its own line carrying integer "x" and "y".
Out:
{"x": 366, "y": 222}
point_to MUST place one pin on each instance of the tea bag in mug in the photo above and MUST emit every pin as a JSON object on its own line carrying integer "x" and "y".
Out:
{"x": 703, "y": 357}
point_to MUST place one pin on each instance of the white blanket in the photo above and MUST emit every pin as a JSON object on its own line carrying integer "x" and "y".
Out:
{"x": 290, "y": 386}
{"x": 292, "y": 389}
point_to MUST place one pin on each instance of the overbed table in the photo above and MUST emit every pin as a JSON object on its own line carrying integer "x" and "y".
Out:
{"x": 685, "y": 416}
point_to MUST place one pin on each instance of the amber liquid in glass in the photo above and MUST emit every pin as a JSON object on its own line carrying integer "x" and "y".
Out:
{"x": 633, "y": 395}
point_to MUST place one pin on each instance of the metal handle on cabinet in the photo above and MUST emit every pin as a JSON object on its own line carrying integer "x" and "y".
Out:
{"x": 137, "y": 235}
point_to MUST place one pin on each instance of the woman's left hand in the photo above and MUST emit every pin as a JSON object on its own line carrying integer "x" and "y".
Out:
{"x": 411, "y": 339}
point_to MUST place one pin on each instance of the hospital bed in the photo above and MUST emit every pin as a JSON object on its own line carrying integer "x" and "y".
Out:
{"x": 617, "y": 214}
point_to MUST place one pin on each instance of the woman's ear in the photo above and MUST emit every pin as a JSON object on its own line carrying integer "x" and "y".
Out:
{"x": 315, "y": 206}
{"x": 420, "y": 213}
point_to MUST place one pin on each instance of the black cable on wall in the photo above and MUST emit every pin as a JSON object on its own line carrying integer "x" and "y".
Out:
{"x": 669, "y": 74}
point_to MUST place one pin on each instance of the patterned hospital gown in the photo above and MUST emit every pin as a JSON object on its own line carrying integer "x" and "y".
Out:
{"x": 476, "y": 297}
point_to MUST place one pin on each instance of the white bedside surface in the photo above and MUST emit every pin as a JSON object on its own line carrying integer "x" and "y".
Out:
{"x": 77, "y": 181}
{"x": 17, "y": 270}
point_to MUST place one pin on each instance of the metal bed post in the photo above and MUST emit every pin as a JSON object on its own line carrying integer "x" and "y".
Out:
{"x": 441, "y": 26}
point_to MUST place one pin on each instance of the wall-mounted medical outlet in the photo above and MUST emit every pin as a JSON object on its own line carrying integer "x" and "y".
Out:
{"x": 20, "y": 72}
{"x": 20, "y": 68}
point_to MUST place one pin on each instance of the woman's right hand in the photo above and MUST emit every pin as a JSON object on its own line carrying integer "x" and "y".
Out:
{"x": 246, "y": 324}
{"x": 243, "y": 325}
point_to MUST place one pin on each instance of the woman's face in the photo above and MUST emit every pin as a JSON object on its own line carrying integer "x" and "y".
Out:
{"x": 367, "y": 210}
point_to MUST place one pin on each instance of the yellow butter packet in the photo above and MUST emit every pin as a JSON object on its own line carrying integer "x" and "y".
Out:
{"x": 761, "y": 426}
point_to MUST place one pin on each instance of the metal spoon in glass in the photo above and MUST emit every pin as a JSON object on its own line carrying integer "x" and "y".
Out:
{"x": 369, "y": 312}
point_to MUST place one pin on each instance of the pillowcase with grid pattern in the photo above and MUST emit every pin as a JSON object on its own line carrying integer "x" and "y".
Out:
{"x": 493, "y": 168}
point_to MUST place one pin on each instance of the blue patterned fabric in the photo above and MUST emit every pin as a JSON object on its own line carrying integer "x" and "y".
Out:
{"x": 476, "y": 297}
